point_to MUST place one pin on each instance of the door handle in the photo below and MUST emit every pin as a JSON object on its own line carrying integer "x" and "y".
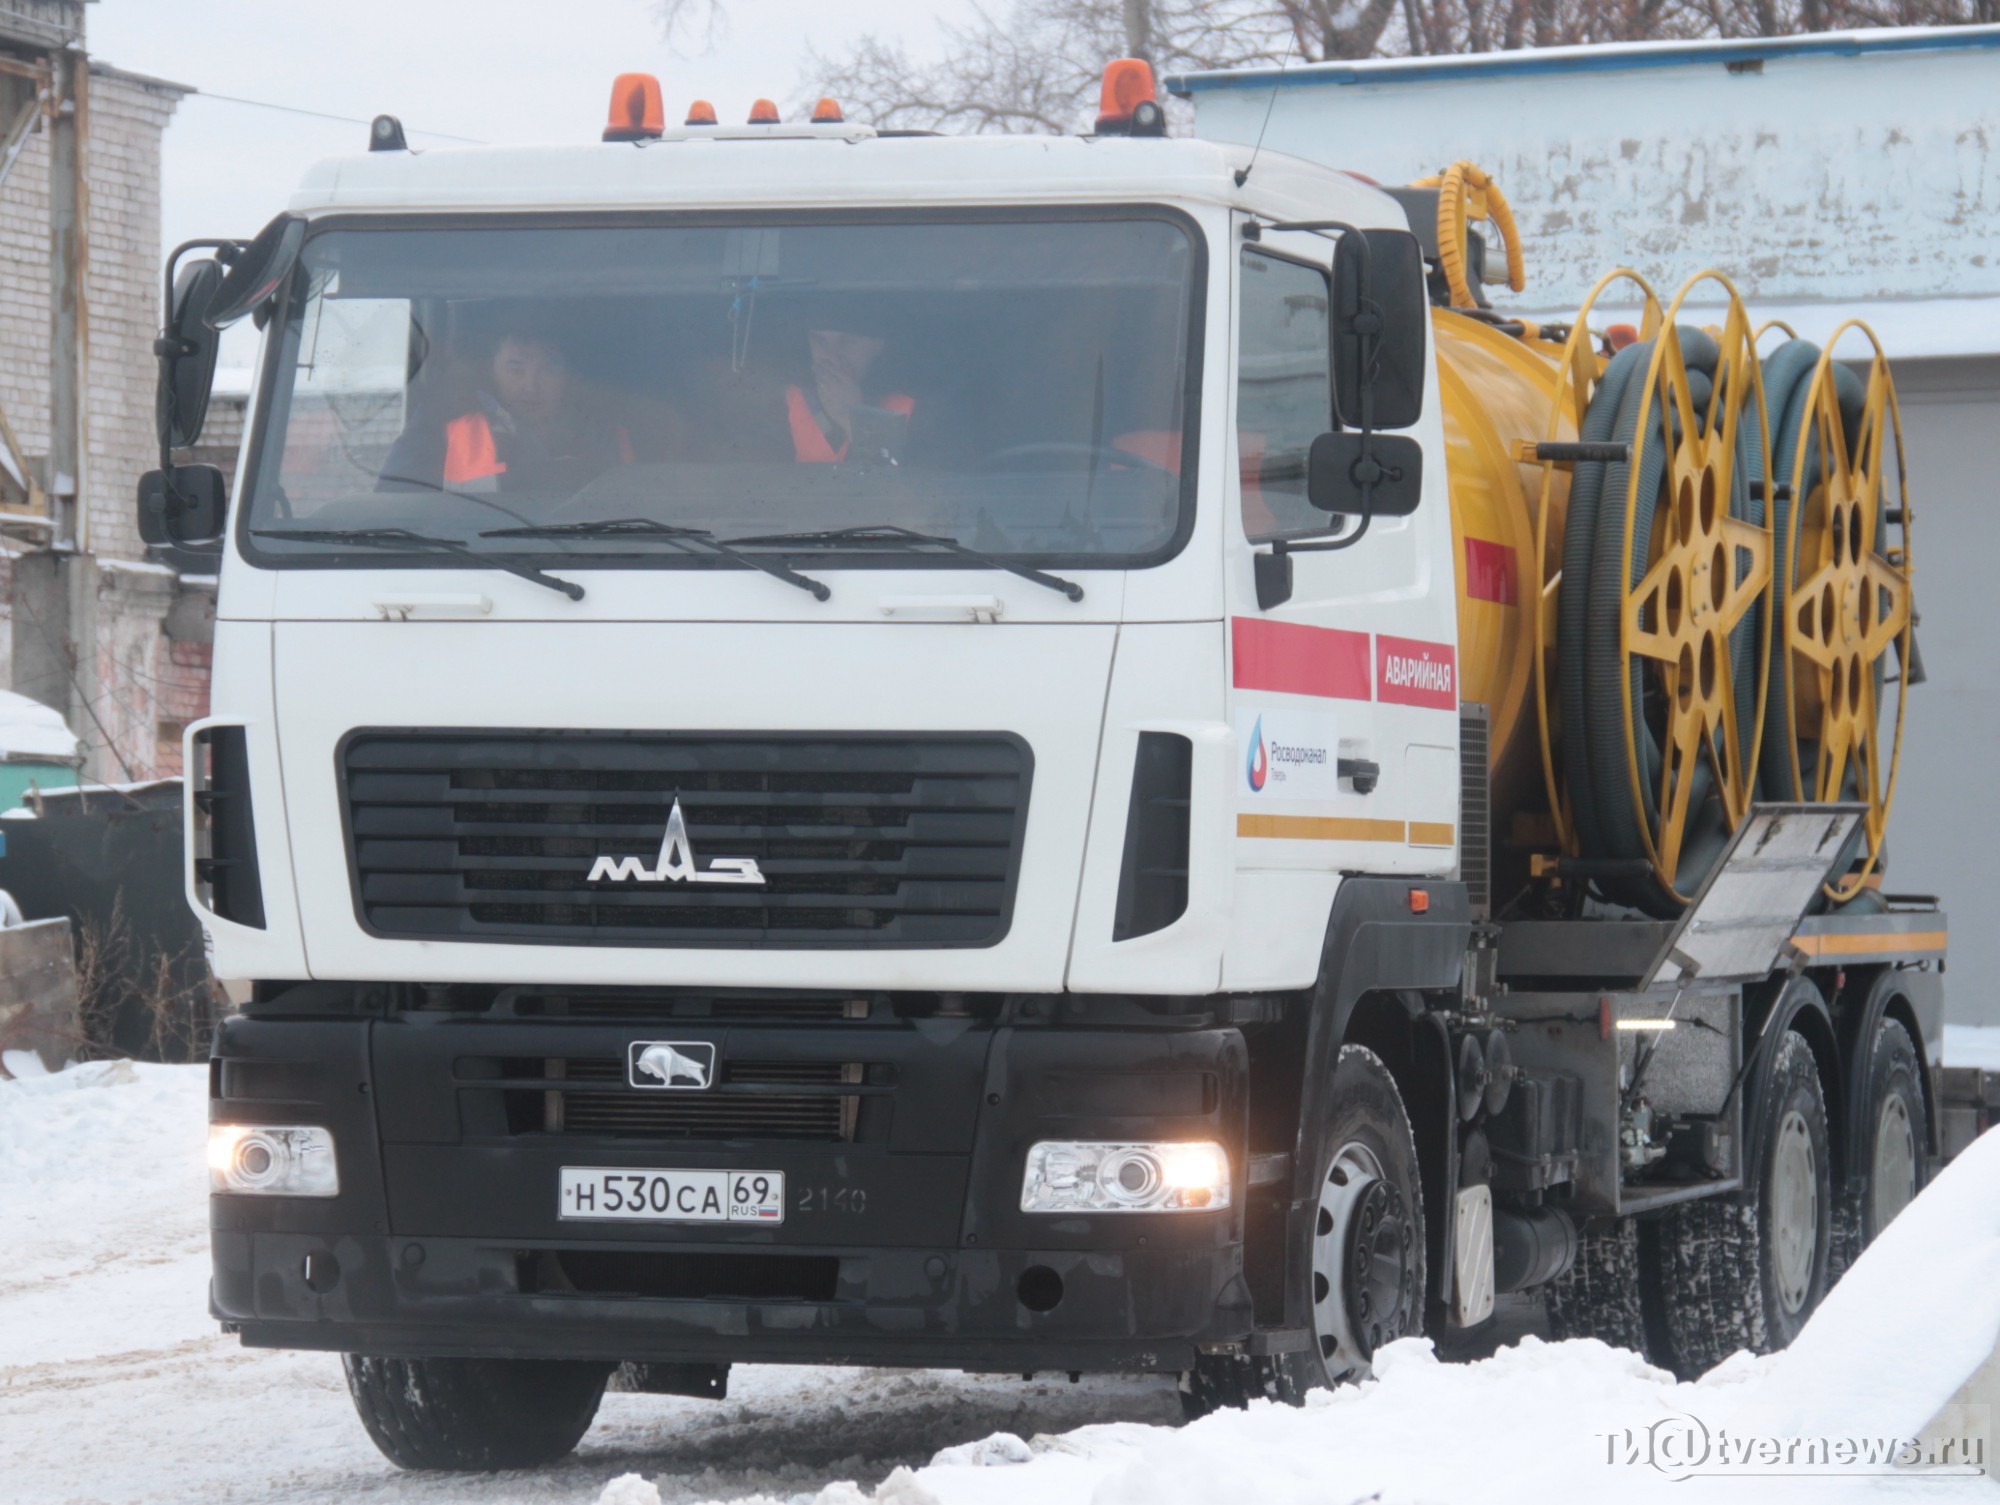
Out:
{"x": 969, "y": 608}
{"x": 1365, "y": 772}
{"x": 400, "y": 608}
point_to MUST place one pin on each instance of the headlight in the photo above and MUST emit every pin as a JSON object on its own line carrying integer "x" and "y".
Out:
{"x": 1071, "y": 1176}
{"x": 260, "y": 1160}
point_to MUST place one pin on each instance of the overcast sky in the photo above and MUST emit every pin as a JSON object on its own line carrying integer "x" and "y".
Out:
{"x": 492, "y": 70}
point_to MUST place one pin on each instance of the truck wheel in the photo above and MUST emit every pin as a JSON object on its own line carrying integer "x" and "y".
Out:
{"x": 1746, "y": 1272}
{"x": 1368, "y": 1235}
{"x": 1899, "y": 1130}
{"x": 1367, "y": 1254}
{"x": 1598, "y": 1296}
{"x": 474, "y": 1413}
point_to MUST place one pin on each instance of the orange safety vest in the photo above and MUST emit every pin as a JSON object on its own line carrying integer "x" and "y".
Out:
{"x": 809, "y": 441}
{"x": 470, "y": 453}
{"x": 1161, "y": 447}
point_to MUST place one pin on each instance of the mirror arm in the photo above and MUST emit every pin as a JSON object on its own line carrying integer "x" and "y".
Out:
{"x": 171, "y": 343}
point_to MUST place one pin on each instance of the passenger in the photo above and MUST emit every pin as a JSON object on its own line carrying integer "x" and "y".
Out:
{"x": 826, "y": 410}
{"x": 528, "y": 426}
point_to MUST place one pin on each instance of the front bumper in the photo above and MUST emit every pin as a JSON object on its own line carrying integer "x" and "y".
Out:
{"x": 1130, "y": 1310}
{"x": 903, "y": 1242}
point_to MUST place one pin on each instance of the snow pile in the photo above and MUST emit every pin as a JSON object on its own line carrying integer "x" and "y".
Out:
{"x": 1911, "y": 1322}
{"x": 629, "y": 1489}
{"x": 33, "y": 732}
{"x": 1907, "y": 1326}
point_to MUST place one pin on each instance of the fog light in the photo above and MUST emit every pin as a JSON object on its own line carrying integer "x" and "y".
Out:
{"x": 263, "y": 1160}
{"x": 1068, "y": 1176}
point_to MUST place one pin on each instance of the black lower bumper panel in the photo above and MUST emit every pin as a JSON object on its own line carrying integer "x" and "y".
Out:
{"x": 1135, "y": 1310}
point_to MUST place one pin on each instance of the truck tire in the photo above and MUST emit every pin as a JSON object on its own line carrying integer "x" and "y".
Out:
{"x": 474, "y": 1414}
{"x": 1598, "y": 1296}
{"x": 1746, "y": 1272}
{"x": 1367, "y": 1254}
{"x": 1895, "y": 1130}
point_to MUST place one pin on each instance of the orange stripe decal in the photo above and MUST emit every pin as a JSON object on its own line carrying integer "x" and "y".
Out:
{"x": 1880, "y": 942}
{"x": 1318, "y": 828}
{"x": 1431, "y": 833}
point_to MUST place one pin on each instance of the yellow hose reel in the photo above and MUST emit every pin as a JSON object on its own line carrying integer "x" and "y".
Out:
{"x": 1847, "y": 601}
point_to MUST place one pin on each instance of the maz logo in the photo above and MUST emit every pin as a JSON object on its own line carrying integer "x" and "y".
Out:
{"x": 676, "y": 863}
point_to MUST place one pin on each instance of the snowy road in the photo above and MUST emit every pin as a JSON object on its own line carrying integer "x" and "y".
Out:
{"x": 115, "y": 1386}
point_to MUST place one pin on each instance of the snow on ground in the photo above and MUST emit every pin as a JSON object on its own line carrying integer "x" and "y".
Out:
{"x": 115, "y": 1386}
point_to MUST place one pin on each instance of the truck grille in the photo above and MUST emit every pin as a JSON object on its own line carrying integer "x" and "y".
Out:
{"x": 737, "y": 1006}
{"x": 749, "y": 1103}
{"x": 861, "y": 841}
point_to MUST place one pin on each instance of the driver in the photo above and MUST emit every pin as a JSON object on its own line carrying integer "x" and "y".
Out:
{"x": 528, "y": 421}
{"x": 836, "y": 399}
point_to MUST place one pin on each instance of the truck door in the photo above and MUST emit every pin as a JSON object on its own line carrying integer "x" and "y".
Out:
{"x": 1343, "y": 697}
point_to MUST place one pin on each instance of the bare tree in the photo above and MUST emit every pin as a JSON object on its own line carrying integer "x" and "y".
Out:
{"x": 1034, "y": 65}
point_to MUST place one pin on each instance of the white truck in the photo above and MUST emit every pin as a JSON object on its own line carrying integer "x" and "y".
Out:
{"x": 843, "y": 747}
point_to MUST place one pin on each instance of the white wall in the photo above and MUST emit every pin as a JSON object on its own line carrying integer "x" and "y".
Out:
{"x": 1823, "y": 179}
{"x": 1944, "y": 835}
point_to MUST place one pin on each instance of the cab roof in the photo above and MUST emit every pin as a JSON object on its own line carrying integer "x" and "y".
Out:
{"x": 829, "y": 169}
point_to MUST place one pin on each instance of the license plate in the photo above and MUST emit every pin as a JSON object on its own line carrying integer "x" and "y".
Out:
{"x": 607, "y": 1194}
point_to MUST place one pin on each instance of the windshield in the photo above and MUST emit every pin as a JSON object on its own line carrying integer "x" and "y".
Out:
{"x": 1022, "y": 388}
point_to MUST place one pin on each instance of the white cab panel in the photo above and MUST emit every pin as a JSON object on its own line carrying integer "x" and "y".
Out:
{"x": 240, "y": 694}
{"x": 1167, "y": 678}
{"x": 1045, "y": 684}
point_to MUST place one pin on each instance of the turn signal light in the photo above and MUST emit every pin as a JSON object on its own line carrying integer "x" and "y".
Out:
{"x": 701, "y": 112}
{"x": 763, "y": 112}
{"x": 828, "y": 112}
{"x": 1129, "y": 105}
{"x": 636, "y": 111}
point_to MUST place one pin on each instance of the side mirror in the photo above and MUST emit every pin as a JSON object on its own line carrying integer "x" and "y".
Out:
{"x": 1380, "y": 314}
{"x": 189, "y": 511}
{"x": 187, "y": 349}
{"x": 1383, "y": 478}
{"x": 258, "y": 270}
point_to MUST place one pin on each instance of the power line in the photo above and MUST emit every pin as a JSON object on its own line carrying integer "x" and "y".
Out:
{"x": 265, "y": 104}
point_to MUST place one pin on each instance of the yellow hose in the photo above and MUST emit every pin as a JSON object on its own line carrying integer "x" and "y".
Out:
{"x": 1467, "y": 196}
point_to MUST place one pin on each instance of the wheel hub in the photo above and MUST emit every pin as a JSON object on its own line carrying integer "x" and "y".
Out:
{"x": 1794, "y": 1212}
{"x": 1379, "y": 1244}
{"x": 1892, "y": 1183}
{"x": 1364, "y": 1263}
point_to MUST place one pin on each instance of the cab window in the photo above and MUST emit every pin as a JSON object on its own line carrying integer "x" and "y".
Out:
{"x": 1284, "y": 394}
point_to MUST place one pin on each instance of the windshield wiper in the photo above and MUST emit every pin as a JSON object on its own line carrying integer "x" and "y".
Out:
{"x": 646, "y": 528}
{"x": 412, "y": 542}
{"x": 887, "y": 535}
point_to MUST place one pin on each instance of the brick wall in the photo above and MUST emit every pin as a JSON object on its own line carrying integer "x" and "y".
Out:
{"x": 142, "y": 685}
{"x": 127, "y": 117}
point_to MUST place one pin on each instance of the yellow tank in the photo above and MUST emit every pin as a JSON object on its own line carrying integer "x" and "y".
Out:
{"x": 1497, "y": 393}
